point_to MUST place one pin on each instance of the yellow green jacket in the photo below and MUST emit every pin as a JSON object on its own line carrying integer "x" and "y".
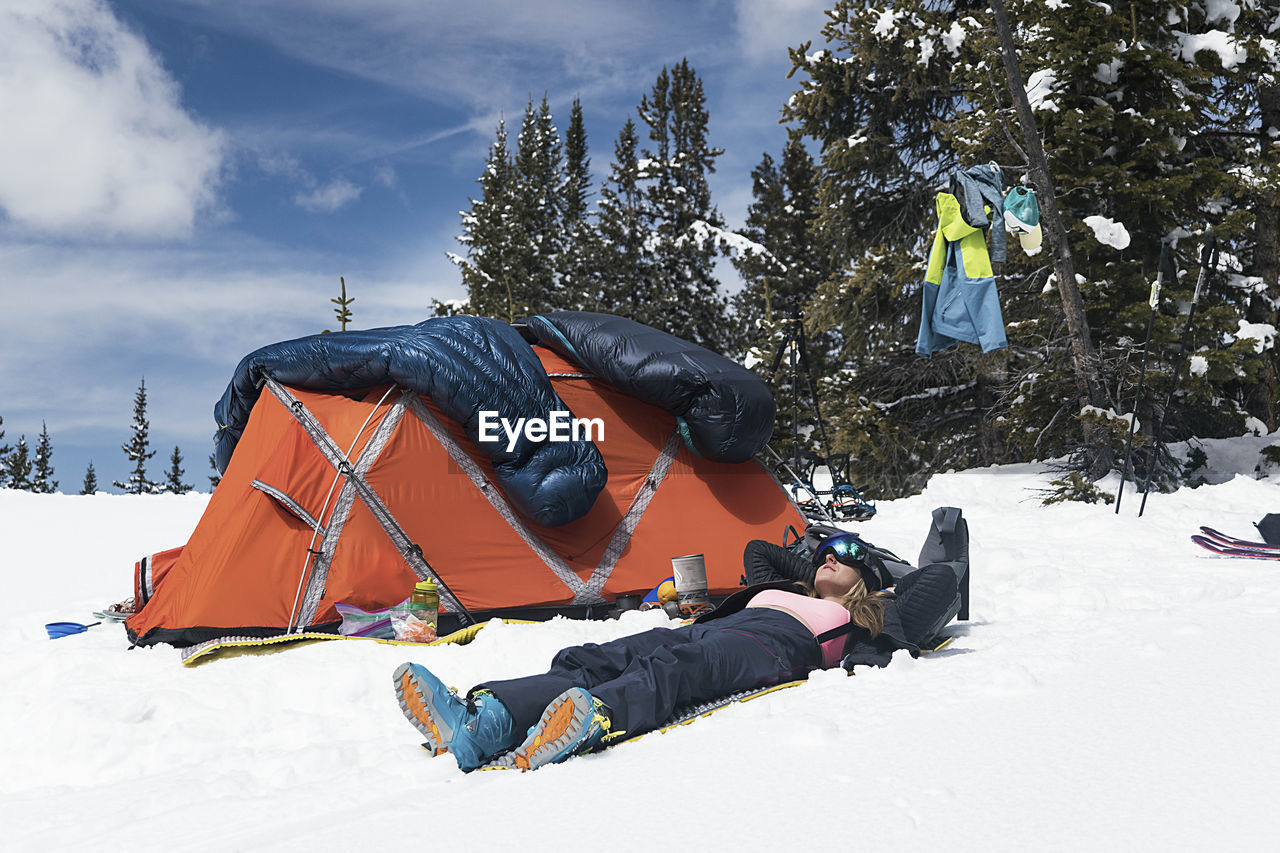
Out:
{"x": 959, "y": 290}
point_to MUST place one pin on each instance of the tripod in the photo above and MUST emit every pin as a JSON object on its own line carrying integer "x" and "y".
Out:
{"x": 845, "y": 499}
{"x": 793, "y": 345}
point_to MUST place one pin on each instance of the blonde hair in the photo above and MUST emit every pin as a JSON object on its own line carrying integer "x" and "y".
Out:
{"x": 866, "y": 609}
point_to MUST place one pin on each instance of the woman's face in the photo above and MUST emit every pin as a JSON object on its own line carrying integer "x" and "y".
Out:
{"x": 834, "y": 578}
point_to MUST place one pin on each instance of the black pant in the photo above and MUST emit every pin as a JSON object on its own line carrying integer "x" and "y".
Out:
{"x": 643, "y": 678}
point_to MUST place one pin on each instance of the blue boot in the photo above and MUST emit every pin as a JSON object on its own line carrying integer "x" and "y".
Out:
{"x": 473, "y": 731}
{"x": 575, "y": 722}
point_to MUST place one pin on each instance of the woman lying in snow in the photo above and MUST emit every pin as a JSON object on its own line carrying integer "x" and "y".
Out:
{"x": 766, "y": 634}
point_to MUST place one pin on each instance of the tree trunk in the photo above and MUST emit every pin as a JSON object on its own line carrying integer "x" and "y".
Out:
{"x": 1265, "y": 397}
{"x": 1084, "y": 358}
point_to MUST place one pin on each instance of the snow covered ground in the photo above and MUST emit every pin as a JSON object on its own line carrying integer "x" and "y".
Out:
{"x": 1116, "y": 689}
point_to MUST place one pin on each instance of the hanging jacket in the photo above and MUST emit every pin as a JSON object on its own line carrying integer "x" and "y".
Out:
{"x": 977, "y": 188}
{"x": 959, "y": 292}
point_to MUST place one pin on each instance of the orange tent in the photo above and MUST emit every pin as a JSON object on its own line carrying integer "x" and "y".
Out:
{"x": 347, "y": 497}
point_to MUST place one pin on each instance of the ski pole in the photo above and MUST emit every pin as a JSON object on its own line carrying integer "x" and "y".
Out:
{"x": 1166, "y": 265}
{"x": 1208, "y": 259}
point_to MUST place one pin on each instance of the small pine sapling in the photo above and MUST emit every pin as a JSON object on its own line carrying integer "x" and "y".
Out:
{"x": 42, "y": 469}
{"x": 173, "y": 479}
{"x": 138, "y": 448}
{"x": 90, "y": 480}
{"x": 18, "y": 466}
{"x": 343, "y": 309}
{"x": 1074, "y": 487}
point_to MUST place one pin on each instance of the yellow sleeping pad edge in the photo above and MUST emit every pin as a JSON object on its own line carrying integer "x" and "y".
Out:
{"x": 234, "y": 646}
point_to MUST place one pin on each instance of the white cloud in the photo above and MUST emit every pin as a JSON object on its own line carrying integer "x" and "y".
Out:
{"x": 96, "y": 141}
{"x": 468, "y": 55}
{"x": 330, "y": 197}
{"x": 766, "y": 28}
{"x": 312, "y": 195}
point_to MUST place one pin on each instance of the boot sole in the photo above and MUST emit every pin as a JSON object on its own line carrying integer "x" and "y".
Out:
{"x": 415, "y": 701}
{"x": 564, "y": 725}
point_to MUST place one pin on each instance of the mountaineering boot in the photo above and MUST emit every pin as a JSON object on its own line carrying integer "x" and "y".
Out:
{"x": 472, "y": 731}
{"x": 574, "y": 722}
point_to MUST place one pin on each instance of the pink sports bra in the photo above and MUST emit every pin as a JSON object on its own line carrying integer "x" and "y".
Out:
{"x": 817, "y": 614}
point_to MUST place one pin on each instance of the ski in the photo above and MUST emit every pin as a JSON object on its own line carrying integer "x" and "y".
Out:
{"x": 1225, "y": 550}
{"x": 1237, "y": 543}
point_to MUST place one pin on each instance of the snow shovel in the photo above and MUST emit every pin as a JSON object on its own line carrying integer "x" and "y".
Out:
{"x": 65, "y": 629}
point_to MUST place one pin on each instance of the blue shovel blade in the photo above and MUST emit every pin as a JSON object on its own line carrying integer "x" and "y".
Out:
{"x": 66, "y": 629}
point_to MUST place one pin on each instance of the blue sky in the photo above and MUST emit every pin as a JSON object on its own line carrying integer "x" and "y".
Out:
{"x": 183, "y": 181}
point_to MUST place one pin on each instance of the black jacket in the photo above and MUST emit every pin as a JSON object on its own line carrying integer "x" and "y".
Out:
{"x": 921, "y": 596}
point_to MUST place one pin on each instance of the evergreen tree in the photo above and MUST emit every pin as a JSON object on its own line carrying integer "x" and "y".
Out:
{"x": 4, "y": 457}
{"x": 1243, "y": 128}
{"x": 90, "y": 480}
{"x": 138, "y": 448}
{"x": 685, "y": 229}
{"x": 1134, "y": 123}
{"x": 215, "y": 478}
{"x": 577, "y": 183}
{"x": 539, "y": 169}
{"x": 493, "y": 234}
{"x": 173, "y": 478}
{"x": 578, "y": 247}
{"x": 18, "y": 466}
{"x": 762, "y": 300}
{"x": 622, "y": 272}
{"x": 876, "y": 111}
{"x": 1094, "y": 455}
{"x": 906, "y": 94}
{"x": 783, "y": 266}
{"x": 42, "y": 471}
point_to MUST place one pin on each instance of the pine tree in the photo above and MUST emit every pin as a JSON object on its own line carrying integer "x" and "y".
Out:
{"x": 492, "y": 232}
{"x": 18, "y": 466}
{"x": 1134, "y": 123}
{"x": 577, "y": 167}
{"x": 907, "y": 93}
{"x": 783, "y": 266}
{"x": 1244, "y": 130}
{"x": 685, "y": 229}
{"x": 137, "y": 448}
{"x": 215, "y": 478}
{"x": 90, "y": 480}
{"x": 1095, "y": 455}
{"x": 538, "y": 203}
{"x": 876, "y": 110}
{"x": 577, "y": 288}
{"x": 42, "y": 471}
{"x": 173, "y": 478}
{"x": 765, "y": 275}
{"x": 789, "y": 265}
{"x": 621, "y": 268}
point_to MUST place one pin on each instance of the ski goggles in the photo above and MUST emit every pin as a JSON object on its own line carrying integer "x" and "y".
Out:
{"x": 852, "y": 551}
{"x": 846, "y": 547}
